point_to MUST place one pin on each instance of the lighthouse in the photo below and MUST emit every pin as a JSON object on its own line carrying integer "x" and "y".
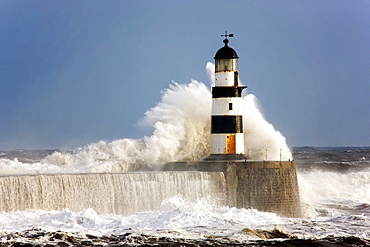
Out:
{"x": 227, "y": 139}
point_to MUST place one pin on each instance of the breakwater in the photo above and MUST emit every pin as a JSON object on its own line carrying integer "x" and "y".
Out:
{"x": 120, "y": 193}
{"x": 269, "y": 186}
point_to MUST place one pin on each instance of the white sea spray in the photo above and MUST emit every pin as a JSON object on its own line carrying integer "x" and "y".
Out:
{"x": 181, "y": 132}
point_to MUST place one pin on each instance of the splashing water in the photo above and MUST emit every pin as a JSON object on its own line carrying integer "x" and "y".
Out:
{"x": 181, "y": 123}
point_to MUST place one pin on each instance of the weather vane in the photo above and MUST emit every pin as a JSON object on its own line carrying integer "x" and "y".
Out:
{"x": 227, "y": 35}
{"x": 226, "y": 41}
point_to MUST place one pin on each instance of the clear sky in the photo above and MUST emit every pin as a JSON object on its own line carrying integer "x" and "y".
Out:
{"x": 74, "y": 72}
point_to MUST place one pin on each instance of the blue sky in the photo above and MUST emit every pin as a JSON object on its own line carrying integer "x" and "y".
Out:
{"x": 75, "y": 72}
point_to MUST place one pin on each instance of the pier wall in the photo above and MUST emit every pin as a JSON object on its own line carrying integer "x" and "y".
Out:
{"x": 118, "y": 193}
{"x": 266, "y": 186}
{"x": 270, "y": 186}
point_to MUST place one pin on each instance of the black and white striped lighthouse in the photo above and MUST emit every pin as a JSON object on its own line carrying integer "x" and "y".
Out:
{"x": 227, "y": 139}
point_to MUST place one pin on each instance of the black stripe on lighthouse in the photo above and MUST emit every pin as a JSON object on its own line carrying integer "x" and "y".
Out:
{"x": 226, "y": 124}
{"x": 227, "y": 92}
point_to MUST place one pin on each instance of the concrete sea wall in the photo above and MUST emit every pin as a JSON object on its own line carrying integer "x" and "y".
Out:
{"x": 270, "y": 186}
{"x": 119, "y": 193}
{"x": 266, "y": 186}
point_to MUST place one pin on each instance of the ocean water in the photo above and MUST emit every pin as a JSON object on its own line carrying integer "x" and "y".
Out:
{"x": 334, "y": 182}
{"x": 334, "y": 188}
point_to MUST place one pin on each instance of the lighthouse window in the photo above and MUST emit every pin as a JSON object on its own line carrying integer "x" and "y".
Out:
{"x": 230, "y": 106}
{"x": 226, "y": 65}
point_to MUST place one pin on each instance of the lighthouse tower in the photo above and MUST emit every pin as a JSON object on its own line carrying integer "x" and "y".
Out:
{"x": 227, "y": 139}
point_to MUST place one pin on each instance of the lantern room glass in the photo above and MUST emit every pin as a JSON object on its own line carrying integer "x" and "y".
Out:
{"x": 226, "y": 65}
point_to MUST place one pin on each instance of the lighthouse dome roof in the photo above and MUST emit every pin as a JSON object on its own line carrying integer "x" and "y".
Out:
{"x": 226, "y": 52}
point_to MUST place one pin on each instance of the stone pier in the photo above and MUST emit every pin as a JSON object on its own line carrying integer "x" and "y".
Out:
{"x": 269, "y": 186}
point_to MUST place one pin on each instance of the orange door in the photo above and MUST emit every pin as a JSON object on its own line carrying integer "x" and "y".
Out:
{"x": 230, "y": 144}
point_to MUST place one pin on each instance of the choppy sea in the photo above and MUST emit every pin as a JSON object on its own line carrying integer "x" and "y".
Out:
{"x": 334, "y": 185}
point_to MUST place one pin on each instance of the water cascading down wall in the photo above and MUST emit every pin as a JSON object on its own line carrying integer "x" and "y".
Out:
{"x": 119, "y": 193}
{"x": 269, "y": 186}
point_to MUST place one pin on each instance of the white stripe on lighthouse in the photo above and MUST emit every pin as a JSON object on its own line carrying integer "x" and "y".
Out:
{"x": 227, "y": 143}
{"x": 226, "y": 106}
{"x": 224, "y": 79}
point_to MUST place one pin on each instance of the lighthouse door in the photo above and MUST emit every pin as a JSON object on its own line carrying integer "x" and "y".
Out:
{"x": 230, "y": 144}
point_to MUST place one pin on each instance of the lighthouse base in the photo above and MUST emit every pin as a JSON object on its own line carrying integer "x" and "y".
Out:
{"x": 225, "y": 157}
